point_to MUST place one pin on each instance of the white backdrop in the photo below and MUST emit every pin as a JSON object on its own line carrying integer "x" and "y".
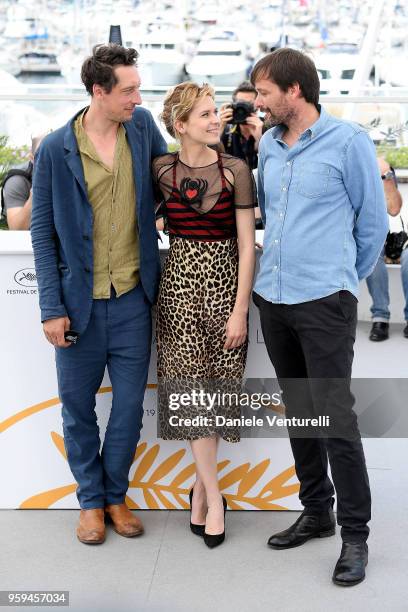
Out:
{"x": 256, "y": 474}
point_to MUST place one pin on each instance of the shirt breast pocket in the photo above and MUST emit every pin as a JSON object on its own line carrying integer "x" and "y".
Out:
{"x": 313, "y": 179}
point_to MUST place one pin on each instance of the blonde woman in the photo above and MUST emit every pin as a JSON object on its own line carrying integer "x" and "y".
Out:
{"x": 208, "y": 200}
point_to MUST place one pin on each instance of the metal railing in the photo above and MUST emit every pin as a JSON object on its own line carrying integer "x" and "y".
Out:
{"x": 40, "y": 107}
{"x": 384, "y": 112}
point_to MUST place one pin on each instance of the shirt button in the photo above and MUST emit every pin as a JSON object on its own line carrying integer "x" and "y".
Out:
{"x": 275, "y": 267}
{"x": 85, "y": 237}
{"x": 87, "y": 269}
{"x": 276, "y": 241}
{"x": 283, "y": 188}
{"x": 281, "y": 215}
{"x": 288, "y": 163}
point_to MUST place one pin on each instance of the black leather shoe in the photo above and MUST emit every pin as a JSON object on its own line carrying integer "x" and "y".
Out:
{"x": 306, "y": 527}
{"x": 379, "y": 331}
{"x": 405, "y": 332}
{"x": 350, "y": 568}
{"x": 196, "y": 529}
{"x": 215, "y": 540}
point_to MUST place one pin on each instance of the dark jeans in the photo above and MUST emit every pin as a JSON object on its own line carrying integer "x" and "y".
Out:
{"x": 118, "y": 337}
{"x": 312, "y": 342}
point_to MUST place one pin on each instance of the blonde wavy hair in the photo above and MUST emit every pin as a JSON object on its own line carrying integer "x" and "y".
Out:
{"x": 179, "y": 103}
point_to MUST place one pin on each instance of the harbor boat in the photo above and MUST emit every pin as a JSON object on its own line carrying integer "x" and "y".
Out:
{"x": 221, "y": 60}
{"x": 162, "y": 58}
{"x": 39, "y": 62}
{"x": 336, "y": 72}
{"x": 336, "y": 67}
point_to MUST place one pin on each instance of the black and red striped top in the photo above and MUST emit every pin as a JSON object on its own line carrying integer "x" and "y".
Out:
{"x": 200, "y": 203}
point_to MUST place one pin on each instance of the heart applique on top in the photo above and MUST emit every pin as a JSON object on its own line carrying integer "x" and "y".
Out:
{"x": 193, "y": 190}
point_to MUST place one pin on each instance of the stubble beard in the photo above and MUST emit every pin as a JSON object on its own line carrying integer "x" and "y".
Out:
{"x": 284, "y": 116}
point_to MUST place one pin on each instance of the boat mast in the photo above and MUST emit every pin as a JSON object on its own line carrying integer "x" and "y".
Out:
{"x": 366, "y": 55}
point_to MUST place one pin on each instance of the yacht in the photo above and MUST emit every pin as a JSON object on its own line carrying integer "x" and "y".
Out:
{"x": 162, "y": 58}
{"x": 220, "y": 60}
{"x": 336, "y": 72}
{"x": 336, "y": 67}
{"x": 39, "y": 62}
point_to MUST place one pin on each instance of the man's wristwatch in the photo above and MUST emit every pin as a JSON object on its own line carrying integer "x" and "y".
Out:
{"x": 388, "y": 175}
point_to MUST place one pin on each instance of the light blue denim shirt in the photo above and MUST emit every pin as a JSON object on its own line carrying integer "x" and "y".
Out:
{"x": 324, "y": 211}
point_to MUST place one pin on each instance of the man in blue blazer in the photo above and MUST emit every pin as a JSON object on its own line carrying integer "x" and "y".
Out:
{"x": 98, "y": 267}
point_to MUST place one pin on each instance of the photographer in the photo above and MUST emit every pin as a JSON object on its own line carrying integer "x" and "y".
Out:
{"x": 241, "y": 128}
{"x": 16, "y": 196}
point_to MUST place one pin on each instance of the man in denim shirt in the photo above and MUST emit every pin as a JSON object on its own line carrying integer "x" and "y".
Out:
{"x": 323, "y": 207}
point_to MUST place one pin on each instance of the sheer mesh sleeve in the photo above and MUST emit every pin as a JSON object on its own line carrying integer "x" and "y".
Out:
{"x": 158, "y": 194}
{"x": 245, "y": 194}
{"x": 198, "y": 203}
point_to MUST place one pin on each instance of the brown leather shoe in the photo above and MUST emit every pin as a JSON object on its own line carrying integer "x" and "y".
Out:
{"x": 124, "y": 522}
{"x": 91, "y": 526}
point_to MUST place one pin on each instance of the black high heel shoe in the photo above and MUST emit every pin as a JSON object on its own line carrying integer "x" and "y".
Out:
{"x": 215, "y": 540}
{"x": 196, "y": 529}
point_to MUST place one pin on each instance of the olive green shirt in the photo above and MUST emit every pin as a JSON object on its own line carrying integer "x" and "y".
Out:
{"x": 112, "y": 195}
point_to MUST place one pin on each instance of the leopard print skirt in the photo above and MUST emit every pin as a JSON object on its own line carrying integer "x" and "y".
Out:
{"x": 196, "y": 297}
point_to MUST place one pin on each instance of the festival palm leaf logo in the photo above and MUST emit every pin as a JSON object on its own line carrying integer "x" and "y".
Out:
{"x": 173, "y": 495}
{"x": 169, "y": 483}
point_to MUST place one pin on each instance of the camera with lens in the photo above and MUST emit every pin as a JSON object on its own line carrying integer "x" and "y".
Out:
{"x": 241, "y": 110}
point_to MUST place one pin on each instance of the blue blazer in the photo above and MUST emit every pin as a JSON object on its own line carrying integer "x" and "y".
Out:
{"x": 62, "y": 220}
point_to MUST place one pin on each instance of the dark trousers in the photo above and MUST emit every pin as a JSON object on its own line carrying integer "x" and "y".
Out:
{"x": 312, "y": 344}
{"x": 118, "y": 337}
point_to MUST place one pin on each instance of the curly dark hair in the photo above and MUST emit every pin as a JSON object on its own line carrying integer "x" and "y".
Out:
{"x": 98, "y": 68}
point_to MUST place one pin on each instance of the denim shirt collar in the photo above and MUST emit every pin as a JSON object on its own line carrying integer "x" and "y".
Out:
{"x": 312, "y": 131}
